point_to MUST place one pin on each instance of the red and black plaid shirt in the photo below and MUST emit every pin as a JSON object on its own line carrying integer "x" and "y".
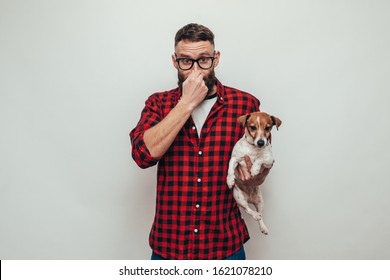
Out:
{"x": 196, "y": 215}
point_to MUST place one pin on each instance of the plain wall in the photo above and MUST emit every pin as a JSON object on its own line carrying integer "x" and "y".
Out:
{"x": 74, "y": 76}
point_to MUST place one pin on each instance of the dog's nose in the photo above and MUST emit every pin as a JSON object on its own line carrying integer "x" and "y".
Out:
{"x": 260, "y": 143}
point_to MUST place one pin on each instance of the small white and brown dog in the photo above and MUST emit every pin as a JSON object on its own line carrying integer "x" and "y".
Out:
{"x": 256, "y": 144}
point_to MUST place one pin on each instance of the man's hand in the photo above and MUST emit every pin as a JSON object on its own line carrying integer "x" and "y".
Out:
{"x": 194, "y": 89}
{"x": 244, "y": 178}
{"x": 160, "y": 137}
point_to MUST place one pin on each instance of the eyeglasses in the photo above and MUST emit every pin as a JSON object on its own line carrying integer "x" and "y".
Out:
{"x": 204, "y": 63}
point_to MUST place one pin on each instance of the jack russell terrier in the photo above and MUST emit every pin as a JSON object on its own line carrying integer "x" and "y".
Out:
{"x": 256, "y": 144}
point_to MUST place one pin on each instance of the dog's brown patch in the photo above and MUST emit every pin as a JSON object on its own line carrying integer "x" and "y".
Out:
{"x": 259, "y": 123}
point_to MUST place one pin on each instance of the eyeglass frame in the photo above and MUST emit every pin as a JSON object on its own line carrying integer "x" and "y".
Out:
{"x": 195, "y": 60}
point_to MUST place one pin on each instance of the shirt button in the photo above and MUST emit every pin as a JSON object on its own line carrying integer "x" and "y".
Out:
{"x": 200, "y": 153}
{"x": 193, "y": 128}
{"x": 196, "y": 230}
{"x": 197, "y": 205}
{"x": 199, "y": 180}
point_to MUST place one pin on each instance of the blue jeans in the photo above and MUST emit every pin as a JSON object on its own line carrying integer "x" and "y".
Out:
{"x": 239, "y": 255}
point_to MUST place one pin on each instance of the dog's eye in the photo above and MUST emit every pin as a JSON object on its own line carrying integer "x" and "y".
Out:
{"x": 252, "y": 127}
{"x": 267, "y": 128}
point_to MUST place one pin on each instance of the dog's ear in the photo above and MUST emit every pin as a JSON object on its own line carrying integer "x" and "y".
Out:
{"x": 276, "y": 121}
{"x": 243, "y": 119}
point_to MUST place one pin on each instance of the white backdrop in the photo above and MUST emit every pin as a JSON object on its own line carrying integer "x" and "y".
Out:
{"x": 74, "y": 76}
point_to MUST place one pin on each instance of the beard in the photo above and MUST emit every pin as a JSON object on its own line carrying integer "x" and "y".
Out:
{"x": 210, "y": 80}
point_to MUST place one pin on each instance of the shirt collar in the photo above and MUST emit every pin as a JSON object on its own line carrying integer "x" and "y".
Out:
{"x": 220, "y": 92}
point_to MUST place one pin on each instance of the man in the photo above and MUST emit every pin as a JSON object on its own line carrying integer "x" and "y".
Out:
{"x": 190, "y": 132}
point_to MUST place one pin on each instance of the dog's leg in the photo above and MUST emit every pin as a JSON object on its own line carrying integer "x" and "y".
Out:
{"x": 242, "y": 201}
{"x": 259, "y": 206}
{"x": 230, "y": 180}
{"x": 256, "y": 166}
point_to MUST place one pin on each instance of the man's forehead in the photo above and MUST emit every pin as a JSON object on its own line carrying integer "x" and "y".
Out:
{"x": 194, "y": 48}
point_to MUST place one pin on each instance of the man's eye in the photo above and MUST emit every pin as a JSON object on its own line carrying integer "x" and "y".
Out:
{"x": 187, "y": 61}
{"x": 203, "y": 59}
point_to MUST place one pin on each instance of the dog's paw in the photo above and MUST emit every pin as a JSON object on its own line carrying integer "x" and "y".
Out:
{"x": 230, "y": 181}
{"x": 255, "y": 170}
{"x": 255, "y": 215}
{"x": 263, "y": 228}
{"x": 264, "y": 231}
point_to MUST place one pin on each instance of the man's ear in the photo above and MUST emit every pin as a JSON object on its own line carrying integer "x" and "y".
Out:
{"x": 243, "y": 119}
{"x": 216, "y": 59}
{"x": 276, "y": 121}
{"x": 174, "y": 61}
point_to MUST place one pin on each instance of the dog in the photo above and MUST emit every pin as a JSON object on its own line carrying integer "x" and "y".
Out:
{"x": 255, "y": 143}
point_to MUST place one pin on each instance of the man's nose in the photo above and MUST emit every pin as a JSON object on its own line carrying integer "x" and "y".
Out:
{"x": 196, "y": 66}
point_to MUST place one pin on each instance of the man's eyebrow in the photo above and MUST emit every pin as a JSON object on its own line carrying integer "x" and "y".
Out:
{"x": 184, "y": 55}
{"x": 203, "y": 54}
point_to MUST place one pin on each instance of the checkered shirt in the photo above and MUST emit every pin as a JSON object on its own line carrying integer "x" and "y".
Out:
{"x": 196, "y": 215}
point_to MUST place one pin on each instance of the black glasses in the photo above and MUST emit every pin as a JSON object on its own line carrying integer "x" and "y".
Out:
{"x": 205, "y": 62}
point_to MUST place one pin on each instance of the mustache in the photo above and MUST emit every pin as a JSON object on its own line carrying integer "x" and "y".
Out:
{"x": 210, "y": 80}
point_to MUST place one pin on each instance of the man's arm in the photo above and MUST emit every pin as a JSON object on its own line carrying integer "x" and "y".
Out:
{"x": 159, "y": 138}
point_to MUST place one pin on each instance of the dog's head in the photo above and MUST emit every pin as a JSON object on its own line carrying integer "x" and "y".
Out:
{"x": 258, "y": 127}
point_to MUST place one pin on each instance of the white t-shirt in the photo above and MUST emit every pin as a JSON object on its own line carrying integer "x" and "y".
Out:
{"x": 201, "y": 112}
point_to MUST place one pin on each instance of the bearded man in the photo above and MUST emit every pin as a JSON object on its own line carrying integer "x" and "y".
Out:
{"x": 190, "y": 132}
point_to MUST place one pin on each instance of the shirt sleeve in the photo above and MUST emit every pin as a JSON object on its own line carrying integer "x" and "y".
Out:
{"x": 256, "y": 105}
{"x": 150, "y": 116}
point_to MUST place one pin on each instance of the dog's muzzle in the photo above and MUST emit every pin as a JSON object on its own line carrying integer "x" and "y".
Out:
{"x": 260, "y": 143}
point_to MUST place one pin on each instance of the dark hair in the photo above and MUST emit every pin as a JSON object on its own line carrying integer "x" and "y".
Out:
{"x": 194, "y": 33}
